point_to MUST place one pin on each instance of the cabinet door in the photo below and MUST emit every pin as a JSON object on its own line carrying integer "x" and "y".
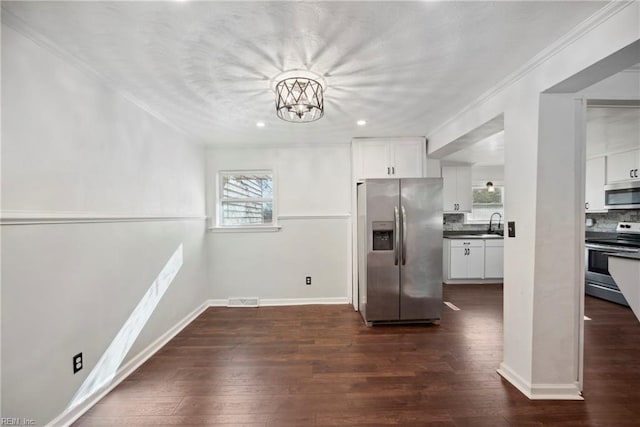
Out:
{"x": 475, "y": 260}
{"x": 494, "y": 259}
{"x": 464, "y": 193}
{"x": 407, "y": 158}
{"x": 456, "y": 190}
{"x": 458, "y": 263}
{"x": 374, "y": 160}
{"x": 623, "y": 167}
{"x": 594, "y": 188}
{"x": 449, "y": 189}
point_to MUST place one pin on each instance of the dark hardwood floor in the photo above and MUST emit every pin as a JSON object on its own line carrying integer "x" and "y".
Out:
{"x": 320, "y": 366}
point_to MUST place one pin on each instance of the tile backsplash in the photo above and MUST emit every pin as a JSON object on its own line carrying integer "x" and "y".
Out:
{"x": 602, "y": 222}
{"x": 455, "y": 222}
{"x": 607, "y": 222}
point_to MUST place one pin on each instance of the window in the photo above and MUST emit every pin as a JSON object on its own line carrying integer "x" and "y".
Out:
{"x": 245, "y": 199}
{"x": 485, "y": 203}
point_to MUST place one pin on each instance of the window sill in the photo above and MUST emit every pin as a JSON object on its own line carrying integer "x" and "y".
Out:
{"x": 477, "y": 221}
{"x": 254, "y": 229}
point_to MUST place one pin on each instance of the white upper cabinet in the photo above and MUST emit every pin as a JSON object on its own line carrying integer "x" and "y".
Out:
{"x": 388, "y": 157}
{"x": 594, "y": 185}
{"x": 456, "y": 191}
{"x": 408, "y": 158}
{"x": 373, "y": 160}
{"x": 623, "y": 166}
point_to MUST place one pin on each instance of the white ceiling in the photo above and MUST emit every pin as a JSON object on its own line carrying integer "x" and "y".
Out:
{"x": 486, "y": 152}
{"x": 206, "y": 67}
{"x": 612, "y": 125}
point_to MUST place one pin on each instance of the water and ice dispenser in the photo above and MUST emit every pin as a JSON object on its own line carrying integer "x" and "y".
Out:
{"x": 382, "y": 235}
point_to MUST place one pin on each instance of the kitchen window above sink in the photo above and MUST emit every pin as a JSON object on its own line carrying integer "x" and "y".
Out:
{"x": 485, "y": 203}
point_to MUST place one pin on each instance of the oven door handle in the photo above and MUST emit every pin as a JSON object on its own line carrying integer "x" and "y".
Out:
{"x": 607, "y": 248}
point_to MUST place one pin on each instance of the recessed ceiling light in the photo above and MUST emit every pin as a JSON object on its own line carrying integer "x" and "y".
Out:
{"x": 260, "y": 124}
{"x": 361, "y": 122}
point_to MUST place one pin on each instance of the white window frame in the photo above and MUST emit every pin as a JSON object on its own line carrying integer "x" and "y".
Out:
{"x": 272, "y": 226}
{"x": 469, "y": 216}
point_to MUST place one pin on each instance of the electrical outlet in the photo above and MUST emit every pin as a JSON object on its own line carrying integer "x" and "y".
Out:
{"x": 308, "y": 280}
{"x": 511, "y": 228}
{"x": 77, "y": 363}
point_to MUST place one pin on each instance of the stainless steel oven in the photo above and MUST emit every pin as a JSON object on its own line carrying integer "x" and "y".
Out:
{"x": 598, "y": 281}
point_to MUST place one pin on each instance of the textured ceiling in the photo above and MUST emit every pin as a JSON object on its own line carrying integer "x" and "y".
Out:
{"x": 486, "y": 152}
{"x": 207, "y": 67}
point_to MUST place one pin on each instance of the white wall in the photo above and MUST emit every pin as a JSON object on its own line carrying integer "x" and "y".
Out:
{"x": 73, "y": 148}
{"x": 623, "y": 85}
{"x": 616, "y": 130}
{"x": 528, "y": 352}
{"x": 611, "y": 129}
{"x": 313, "y": 204}
{"x": 481, "y": 174}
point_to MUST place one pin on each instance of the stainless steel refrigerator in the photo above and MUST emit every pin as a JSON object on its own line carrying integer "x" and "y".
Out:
{"x": 400, "y": 250}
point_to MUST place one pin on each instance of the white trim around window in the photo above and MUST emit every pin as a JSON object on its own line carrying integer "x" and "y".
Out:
{"x": 481, "y": 212}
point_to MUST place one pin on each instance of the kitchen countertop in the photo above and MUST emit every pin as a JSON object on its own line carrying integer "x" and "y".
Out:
{"x": 469, "y": 236}
{"x": 627, "y": 277}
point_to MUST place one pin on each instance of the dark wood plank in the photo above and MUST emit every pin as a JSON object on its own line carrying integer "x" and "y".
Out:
{"x": 319, "y": 365}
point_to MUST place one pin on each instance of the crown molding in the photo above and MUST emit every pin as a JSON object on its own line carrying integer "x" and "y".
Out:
{"x": 274, "y": 146}
{"x": 579, "y": 31}
{"x": 18, "y": 24}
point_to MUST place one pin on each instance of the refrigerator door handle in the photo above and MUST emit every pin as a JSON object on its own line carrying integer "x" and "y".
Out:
{"x": 404, "y": 236}
{"x": 396, "y": 232}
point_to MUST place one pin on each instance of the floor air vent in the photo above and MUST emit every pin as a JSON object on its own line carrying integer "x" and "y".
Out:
{"x": 242, "y": 302}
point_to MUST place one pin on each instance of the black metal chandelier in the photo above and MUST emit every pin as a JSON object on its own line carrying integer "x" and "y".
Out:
{"x": 299, "y": 99}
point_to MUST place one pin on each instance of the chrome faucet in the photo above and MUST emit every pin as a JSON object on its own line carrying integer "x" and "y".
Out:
{"x": 491, "y": 221}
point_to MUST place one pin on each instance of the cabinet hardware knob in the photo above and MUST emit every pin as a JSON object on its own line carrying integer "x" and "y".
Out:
{"x": 586, "y": 205}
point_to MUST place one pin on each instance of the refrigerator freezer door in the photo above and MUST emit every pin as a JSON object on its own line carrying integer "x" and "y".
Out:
{"x": 421, "y": 274}
{"x": 382, "y": 288}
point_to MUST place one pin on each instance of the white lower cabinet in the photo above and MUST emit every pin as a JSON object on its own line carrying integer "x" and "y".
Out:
{"x": 494, "y": 259}
{"x": 466, "y": 259}
{"x": 473, "y": 259}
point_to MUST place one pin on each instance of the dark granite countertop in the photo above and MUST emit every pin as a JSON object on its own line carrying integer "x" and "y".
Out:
{"x": 470, "y": 234}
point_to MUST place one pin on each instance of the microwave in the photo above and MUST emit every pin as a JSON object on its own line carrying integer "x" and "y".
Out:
{"x": 622, "y": 195}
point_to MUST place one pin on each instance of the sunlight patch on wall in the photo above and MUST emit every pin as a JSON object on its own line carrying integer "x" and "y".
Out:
{"x": 106, "y": 368}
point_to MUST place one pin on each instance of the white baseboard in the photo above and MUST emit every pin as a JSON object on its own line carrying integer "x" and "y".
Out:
{"x": 302, "y": 301}
{"x": 270, "y": 302}
{"x": 540, "y": 391}
{"x": 556, "y": 392}
{"x": 68, "y": 417}
{"x": 516, "y": 380}
{"x": 216, "y": 303}
{"x": 473, "y": 281}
